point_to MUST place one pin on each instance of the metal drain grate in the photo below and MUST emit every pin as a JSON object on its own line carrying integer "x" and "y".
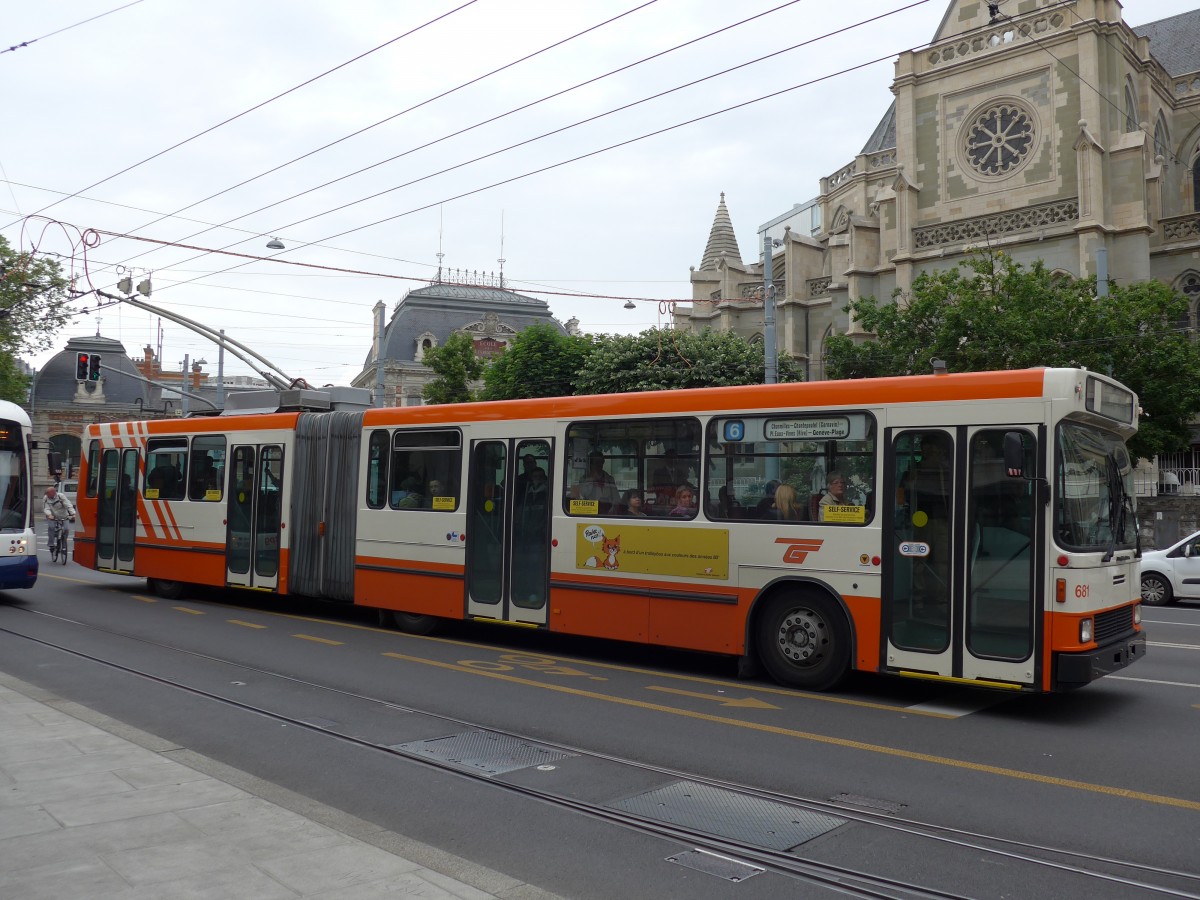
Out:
{"x": 483, "y": 751}
{"x": 713, "y": 864}
{"x": 868, "y": 803}
{"x": 751, "y": 820}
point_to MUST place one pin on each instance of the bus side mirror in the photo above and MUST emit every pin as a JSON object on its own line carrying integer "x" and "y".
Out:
{"x": 1014, "y": 454}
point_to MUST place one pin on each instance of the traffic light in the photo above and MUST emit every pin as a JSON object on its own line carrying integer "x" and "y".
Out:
{"x": 82, "y": 361}
{"x": 94, "y": 367}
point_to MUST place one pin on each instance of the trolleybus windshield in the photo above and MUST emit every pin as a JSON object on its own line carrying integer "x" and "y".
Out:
{"x": 1093, "y": 504}
{"x": 12, "y": 477}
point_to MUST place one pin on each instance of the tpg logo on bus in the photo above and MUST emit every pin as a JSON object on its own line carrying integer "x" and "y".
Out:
{"x": 914, "y": 548}
{"x": 799, "y": 548}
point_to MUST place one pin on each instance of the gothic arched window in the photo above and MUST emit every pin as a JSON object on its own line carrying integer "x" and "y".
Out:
{"x": 1162, "y": 139}
{"x": 1131, "y": 116}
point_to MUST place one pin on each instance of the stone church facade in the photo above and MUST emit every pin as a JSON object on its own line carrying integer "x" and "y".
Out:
{"x": 1051, "y": 130}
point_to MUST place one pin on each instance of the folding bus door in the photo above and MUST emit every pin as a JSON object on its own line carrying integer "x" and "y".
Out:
{"x": 116, "y": 510}
{"x": 961, "y": 597}
{"x": 508, "y": 530}
{"x": 255, "y": 512}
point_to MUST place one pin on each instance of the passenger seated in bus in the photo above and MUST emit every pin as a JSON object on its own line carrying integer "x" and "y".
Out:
{"x": 433, "y": 489}
{"x": 835, "y": 493}
{"x": 763, "y": 509}
{"x": 167, "y": 480}
{"x": 598, "y": 485}
{"x": 631, "y": 503}
{"x": 785, "y": 506}
{"x": 668, "y": 475}
{"x": 727, "y": 504}
{"x": 685, "y": 502}
{"x": 408, "y": 496}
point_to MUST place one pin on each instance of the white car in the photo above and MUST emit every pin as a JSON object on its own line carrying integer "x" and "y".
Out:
{"x": 1172, "y": 574}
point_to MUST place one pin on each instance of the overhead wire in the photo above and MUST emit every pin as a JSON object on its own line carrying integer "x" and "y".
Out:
{"x": 258, "y": 106}
{"x": 390, "y": 118}
{"x": 23, "y": 44}
{"x": 578, "y": 123}
{"x": 519, "y": 177}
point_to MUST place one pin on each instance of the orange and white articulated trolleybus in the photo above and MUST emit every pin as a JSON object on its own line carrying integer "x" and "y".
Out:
{"x": 975, "y": 528}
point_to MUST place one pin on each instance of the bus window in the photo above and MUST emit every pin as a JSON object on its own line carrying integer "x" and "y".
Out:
{"x": 655, "y": 458}
{"x": 208, "y": 468}
{"x": 166, "y": 465}
{"x": 426, "y": 468}
{"x": 377, "y": 469}
{"x": 792, "y": 467}
{"x": 93, "y": 468}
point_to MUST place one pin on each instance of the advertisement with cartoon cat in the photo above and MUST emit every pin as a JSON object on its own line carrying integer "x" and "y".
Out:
{"x": 685, "y": 552}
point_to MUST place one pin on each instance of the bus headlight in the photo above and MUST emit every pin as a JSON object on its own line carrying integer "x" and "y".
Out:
{"x": 1085, "y": 631}
{"x": 1137, "y": 614}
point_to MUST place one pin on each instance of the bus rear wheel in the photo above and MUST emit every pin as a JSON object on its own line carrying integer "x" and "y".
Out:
{"x": 410, "y": 623}
{"x": 168, "y": 590}
{"x": 803, "y": 640}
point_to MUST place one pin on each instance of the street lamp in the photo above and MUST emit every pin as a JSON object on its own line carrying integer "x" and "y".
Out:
{"x": 275, "y": 244}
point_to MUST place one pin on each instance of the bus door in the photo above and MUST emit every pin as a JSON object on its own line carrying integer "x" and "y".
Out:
{"x": 255, "y": 511}
{"x": 508, "y": 530}
{"x": 961, "y": 544}
{"x": 116, "y": 510}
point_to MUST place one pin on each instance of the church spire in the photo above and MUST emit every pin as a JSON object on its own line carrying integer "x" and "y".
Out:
{"x": 721, "y": 240}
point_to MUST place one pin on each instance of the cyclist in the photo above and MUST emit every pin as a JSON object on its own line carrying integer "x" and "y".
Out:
{"x": 58, "y": 509}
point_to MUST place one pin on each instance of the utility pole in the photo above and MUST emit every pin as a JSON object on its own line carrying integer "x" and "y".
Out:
{"x": 1102, "y": 272}
{"x": 183, "y": 395}
{"x": 221, "y": 372}
{"x": 770, "y": 350}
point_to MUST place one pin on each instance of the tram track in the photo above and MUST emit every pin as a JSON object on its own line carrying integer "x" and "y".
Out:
{"x": 1120, "y": 877}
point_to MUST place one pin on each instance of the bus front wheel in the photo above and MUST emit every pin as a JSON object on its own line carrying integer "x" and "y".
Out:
{"x": 803, "y": 640}
{"x": 410, "y": 623}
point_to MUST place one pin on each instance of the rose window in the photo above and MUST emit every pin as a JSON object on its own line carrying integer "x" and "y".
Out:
{"x": 999, "y": 139}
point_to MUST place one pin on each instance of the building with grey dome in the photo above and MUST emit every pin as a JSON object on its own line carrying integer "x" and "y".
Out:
{"x": 60, "y": 406}
{"x": 425, "y": 317}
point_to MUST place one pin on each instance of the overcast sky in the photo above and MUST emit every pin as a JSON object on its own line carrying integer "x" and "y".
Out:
{"x": 119, "y": 92}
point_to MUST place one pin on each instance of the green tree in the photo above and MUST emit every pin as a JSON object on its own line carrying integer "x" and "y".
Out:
{"x": 456, "y": 367}
{"x": 997, "y": 314}
{"x": 540, "y": 362}
{"x": 34, "y": 306}
{"x": 662, "y": 359}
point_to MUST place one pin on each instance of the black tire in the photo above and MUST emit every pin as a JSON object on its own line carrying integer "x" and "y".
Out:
{"x": 803, "y": 640}
{"x": 62, "y": 549}
{"x": 1156, "y": 590}
{"x": 168, "y": 590}
{"x": 409, "y": 623}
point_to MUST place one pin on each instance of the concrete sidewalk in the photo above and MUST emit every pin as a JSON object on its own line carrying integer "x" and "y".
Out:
{"x": 93, "y": 808}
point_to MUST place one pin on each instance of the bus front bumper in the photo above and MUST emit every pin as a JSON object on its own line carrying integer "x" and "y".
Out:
{"x": 1072, "y": 670}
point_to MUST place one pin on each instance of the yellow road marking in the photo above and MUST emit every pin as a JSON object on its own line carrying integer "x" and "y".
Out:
{"x": 744, "y": 702}
{"x": 319, "y": 640}
{"x": 826, "y": 739}
{"x": 691, "y": 679}
{"x": 244, "y": 624}
{"x": 194, "y": 612}
{"x": 144, "y": 599}
{"x": 44, "y": 574}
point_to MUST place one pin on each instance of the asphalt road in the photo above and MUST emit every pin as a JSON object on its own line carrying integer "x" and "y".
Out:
{"x": 1105, "y": 771}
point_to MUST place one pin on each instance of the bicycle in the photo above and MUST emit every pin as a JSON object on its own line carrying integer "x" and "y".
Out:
{"x": 58, "y": 541}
